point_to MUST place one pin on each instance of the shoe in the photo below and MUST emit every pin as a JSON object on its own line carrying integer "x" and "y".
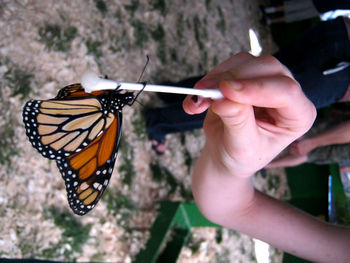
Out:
{"x": 159, "y": 147}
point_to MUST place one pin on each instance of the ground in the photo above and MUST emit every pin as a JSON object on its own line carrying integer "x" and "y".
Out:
{"x": 46, "y": 45}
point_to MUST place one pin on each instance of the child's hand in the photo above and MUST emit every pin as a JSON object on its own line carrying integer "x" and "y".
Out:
{"x": 264, "y": 110}
{"x": 302, "y": 147}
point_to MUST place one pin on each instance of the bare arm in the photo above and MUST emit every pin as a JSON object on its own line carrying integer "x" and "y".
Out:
{"x": 264, "y": 110}
{"x": 337, "y": 135}
{"x": 234, "y": 203}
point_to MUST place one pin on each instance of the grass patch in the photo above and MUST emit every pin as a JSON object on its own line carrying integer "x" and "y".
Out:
{"x": 74, "y": 234}
{"x": 94, "y": 48}
{"x": 187, "y": 155}
{"x": 27, "y": 247}
{"x": 273, "y": 182}
{"x": 19, "y": 81}
{"x": 98, "y": 257}
{"x": 115, "y": 201}
{"x": 188, "y": 160}
{"x": 221, "y": 23}
{"x": 218, "y": 236}
{"x": 193, "y": 245}
{"x": 159, "y": 36}
{"x": 57, "y": 38}
{"x": 161, "y": 53}
{"x": 180, "y": 28}
{"x": 201, "y": 33}
{"x": 160, "y": 174}
{"x": 173, "y": 55}
{"x": 132, "y": 7}
{"x": 126, "y": 169}
{"x": 189, "y": 68}
{"x": 120, "y": 42}
{"x": 118, "y": 14}
{"x": 223, "y": 256}
{"x": 20, "y": 84}
{"x": 139, "y": 125}
{"x": 342, "y": 211}
{"x": 159, "y": 5}
{"x": 119, "y": 204}
{"x": 140, "y": 33}
{"x": 7, "y": 144}
{"x": 101, "y": 6}
{"x": 207, "y": 4}
{"x": 197, "y": 33}
{"x": 215, "y": 61}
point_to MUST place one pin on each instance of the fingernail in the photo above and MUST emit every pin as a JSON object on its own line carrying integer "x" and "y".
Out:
{"x": 233, "y": 84}
{"x": 196, "y": 100}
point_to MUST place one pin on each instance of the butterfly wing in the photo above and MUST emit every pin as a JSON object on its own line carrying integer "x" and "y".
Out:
{"x": 75, "y": 91}
{"x": 87, "y": 172}
{"x": 76, "y": 131}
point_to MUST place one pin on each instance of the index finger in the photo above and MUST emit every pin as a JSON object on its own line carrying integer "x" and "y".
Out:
{"x": 281, "y": 93}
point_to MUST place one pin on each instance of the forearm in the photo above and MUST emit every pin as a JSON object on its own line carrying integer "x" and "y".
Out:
{"x": 217, "y": 192}
{"x": 231, "y": 201}
{"x": 292, "y": 230}
{"x": 337, "y": 135}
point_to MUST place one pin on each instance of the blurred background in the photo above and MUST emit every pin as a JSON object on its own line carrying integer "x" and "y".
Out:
{"x": 46, "y": 45}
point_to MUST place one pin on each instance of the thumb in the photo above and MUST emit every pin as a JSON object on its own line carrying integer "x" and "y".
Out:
{"x": 233, "y": 114}
{"x": 240, "y": 130}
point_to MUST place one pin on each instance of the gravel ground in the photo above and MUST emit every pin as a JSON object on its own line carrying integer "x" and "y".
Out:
{"x": 45, "y": 45}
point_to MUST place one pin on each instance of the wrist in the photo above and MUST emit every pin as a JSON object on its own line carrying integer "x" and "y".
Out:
{"x": 219, "y": 162}
{"x": 217, "y": 192}
{"x": 315, "y": 142}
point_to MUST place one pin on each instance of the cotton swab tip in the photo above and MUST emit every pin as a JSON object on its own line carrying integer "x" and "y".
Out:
{"x": 89, "y": 80}
{"x": 92, "y": 82}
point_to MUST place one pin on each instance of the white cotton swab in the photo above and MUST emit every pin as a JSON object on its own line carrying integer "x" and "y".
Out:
{"x": 92, "y": 82}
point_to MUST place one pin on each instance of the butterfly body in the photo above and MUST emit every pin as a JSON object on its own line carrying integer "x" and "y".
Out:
{"x": 81, "y": 131}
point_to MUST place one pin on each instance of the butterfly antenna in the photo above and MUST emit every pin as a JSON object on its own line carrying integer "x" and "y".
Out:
{"x": 139, "y": 81}
{"x": 144, "y": 68}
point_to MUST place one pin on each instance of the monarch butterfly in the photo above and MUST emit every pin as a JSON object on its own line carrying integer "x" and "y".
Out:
{"x": 81, "y": 131}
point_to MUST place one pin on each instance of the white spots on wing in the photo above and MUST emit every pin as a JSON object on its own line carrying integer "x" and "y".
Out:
{"x": 70, "y": 176}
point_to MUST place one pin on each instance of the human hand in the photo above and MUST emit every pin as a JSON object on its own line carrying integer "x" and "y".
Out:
{"x": 263, "y": 111}
{"x": 302, "y": 147}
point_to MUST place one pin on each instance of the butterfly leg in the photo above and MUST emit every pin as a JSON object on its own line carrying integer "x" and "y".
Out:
{"x": 138, "y": 93}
